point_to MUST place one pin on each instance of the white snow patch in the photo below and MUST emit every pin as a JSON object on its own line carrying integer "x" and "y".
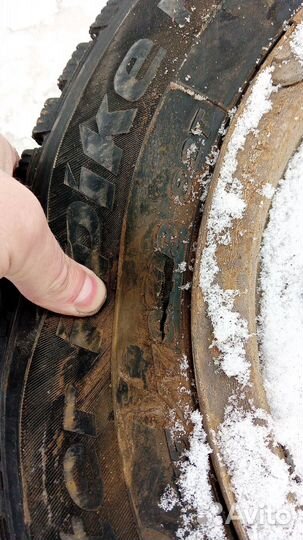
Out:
{"x": 192, "y": 150}
{"x": 268, "y": 191}
{"x": 230, "y": 329}
{"x": 182, "y": 267}
{"x": 177, "y": 428}
{"x": 200, "y": 513}
{"x": 184, "y": 365}
{"x": 281, "y": 321}
{"x": 260, "y": 479}
{"x": 169, "y": 499}
{"x": 185, "y": 287}
{"x": 197, "y": 130}
{"x": 297, "y": 43}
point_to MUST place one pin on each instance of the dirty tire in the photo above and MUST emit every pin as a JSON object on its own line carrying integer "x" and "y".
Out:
{"x": 127, "y": 151}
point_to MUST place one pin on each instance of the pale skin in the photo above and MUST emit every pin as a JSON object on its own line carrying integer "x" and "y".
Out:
{"x": 30, "y": 256}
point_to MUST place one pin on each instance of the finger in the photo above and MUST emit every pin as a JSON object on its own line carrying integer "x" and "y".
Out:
{"x": 32, "y": 259}
{"x": 8, "y": 156}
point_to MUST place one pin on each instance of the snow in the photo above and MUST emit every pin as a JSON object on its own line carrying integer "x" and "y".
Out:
{"x": 268, "y": 191}
{"x": 37, "y": 40}
{"x": 182, "y": 267}
{"x": 184, "y": 365}
{"x": 260, "y": 479}
{"x": 192, "y": 494}
{"x": 169, "y": 499}
{"x": 281, "y": 321}
{"x": 229, "y": 328}
{"x": 297, "y": 43}
{"x": 200, "y": 514}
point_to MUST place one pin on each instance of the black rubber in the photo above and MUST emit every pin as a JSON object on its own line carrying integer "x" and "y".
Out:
{"x": 85, "y": 441}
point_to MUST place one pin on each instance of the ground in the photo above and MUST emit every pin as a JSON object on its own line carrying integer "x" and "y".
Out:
{"x": 37, "y": 39}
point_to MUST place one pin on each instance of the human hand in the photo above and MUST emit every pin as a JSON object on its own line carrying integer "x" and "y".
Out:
{"x": 30, "y": 256}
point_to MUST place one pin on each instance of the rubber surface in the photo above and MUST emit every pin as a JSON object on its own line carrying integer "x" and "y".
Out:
{"x": 87, "y": 405}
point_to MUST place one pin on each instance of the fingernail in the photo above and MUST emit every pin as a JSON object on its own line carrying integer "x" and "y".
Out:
{"x": 92, "y": 295}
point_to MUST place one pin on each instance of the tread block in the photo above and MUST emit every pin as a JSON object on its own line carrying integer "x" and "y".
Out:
{"x": 72, "y": 64}
{"x": 46, "y": 120}
{"x": 104, "y": 18}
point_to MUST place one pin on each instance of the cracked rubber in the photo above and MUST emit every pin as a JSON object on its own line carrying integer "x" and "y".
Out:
{"x": 87, "y": 405}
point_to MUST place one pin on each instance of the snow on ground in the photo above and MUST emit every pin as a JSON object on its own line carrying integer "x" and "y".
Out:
{"x": 37, "y": 40}
{"x": 282, "y": 311}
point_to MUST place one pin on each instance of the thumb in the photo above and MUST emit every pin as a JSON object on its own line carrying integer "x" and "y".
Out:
{"x": 32, "y": 259}
{"x": 8, "y": 156}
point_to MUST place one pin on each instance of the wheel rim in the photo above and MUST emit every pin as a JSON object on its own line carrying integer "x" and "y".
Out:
{"x": 264, "y": 159}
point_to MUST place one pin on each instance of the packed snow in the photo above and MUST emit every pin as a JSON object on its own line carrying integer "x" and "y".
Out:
{"x": 281, "y": 321}
{"x": 229, "y": 328}
{"x": 37, "y": 40}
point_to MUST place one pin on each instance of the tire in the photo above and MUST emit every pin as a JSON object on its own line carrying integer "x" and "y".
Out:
{"x": 127, "y": 152}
